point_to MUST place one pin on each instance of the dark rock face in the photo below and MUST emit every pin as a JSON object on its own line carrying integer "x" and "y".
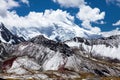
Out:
{"x": 98, "y": 72}
{"x": 7, "y": 35}
{"x": 4, "y": 50}
{"x": 3, "y": 54}
{"x": 2, "y": 79}
{"x": 53, "y": 45}
{"x": 108, "y": 41}
{"x": 8, "y": 63}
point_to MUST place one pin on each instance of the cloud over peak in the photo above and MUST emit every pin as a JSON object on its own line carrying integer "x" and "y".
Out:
{"x": 86, "y": 14}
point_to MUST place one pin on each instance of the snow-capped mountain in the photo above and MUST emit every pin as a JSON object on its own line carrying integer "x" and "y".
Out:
{"x": 105, "y": 46}
{"x": 7, "y": 36}
{"x": 54, "y": 32}
{"x": 110, "y": 33}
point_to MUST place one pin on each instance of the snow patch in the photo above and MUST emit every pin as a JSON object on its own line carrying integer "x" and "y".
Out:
{"x": 22, "y": 47}
{"x": 101, "y": 49}
{"x": 23, "y": 65}
{"x": 53, "y": 63}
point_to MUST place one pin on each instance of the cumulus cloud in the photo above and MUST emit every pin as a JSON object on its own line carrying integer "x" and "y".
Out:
{"x": 70, "y": 3}
{"x": 89, "y": 15}
{"x": 33, "y": 19}
{"x": 117, "y": 23}
{"x": 116, "y": 2}
{"x": 92, "y": 15}
{"x": 86, "y": 14}
{"x": 87, "y": 25}
{"x": 5, "y": 5}
{"x": 50, "y": 23}
{"x": 50, "y": 17}
{"x": 37, "y": 19}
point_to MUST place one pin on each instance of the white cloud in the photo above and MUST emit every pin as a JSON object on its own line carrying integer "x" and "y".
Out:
{"x": 89, "y": 15}
{"x": 8, "y": 4}
{"x": 5, "y": 5}
{"x": 70, "y": 3}
{"x": 25, "y": 2}
{"x": 52, "y": 23}
{"x": 117, "y": 23}
{"x": 86, "y": 14}
{"x": 37, "y": 19}
{"x": 50, "y": 18}
{"x": 116, "y": 2}
{"x": 87, "y": 25}
{"x": 92, "y": 15}
{"x": 102, "y": 22}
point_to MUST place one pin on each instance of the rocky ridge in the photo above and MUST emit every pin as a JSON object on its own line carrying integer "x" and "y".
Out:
{"x": 41, "y": 57}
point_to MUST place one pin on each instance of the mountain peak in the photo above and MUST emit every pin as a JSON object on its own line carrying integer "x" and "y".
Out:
{"x": 7, "y": 36}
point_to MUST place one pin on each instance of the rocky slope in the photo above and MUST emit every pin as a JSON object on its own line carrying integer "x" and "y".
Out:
{"x": 44, "y": 59}
{"x": 43, "y": 55}
{"x": 105, "y": 46}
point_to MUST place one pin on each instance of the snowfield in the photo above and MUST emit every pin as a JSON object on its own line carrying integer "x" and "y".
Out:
{"x": 99, "y": 50}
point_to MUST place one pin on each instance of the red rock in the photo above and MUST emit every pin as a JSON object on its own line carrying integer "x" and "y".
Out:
{"x": 8, "y": 63}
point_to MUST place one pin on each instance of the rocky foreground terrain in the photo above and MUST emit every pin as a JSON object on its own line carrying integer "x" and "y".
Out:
{"x": 40, "y": 58}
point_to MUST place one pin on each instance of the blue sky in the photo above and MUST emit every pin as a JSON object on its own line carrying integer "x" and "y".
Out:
{"x": 105, "y": 22}
{"x": 112, "y": 12}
